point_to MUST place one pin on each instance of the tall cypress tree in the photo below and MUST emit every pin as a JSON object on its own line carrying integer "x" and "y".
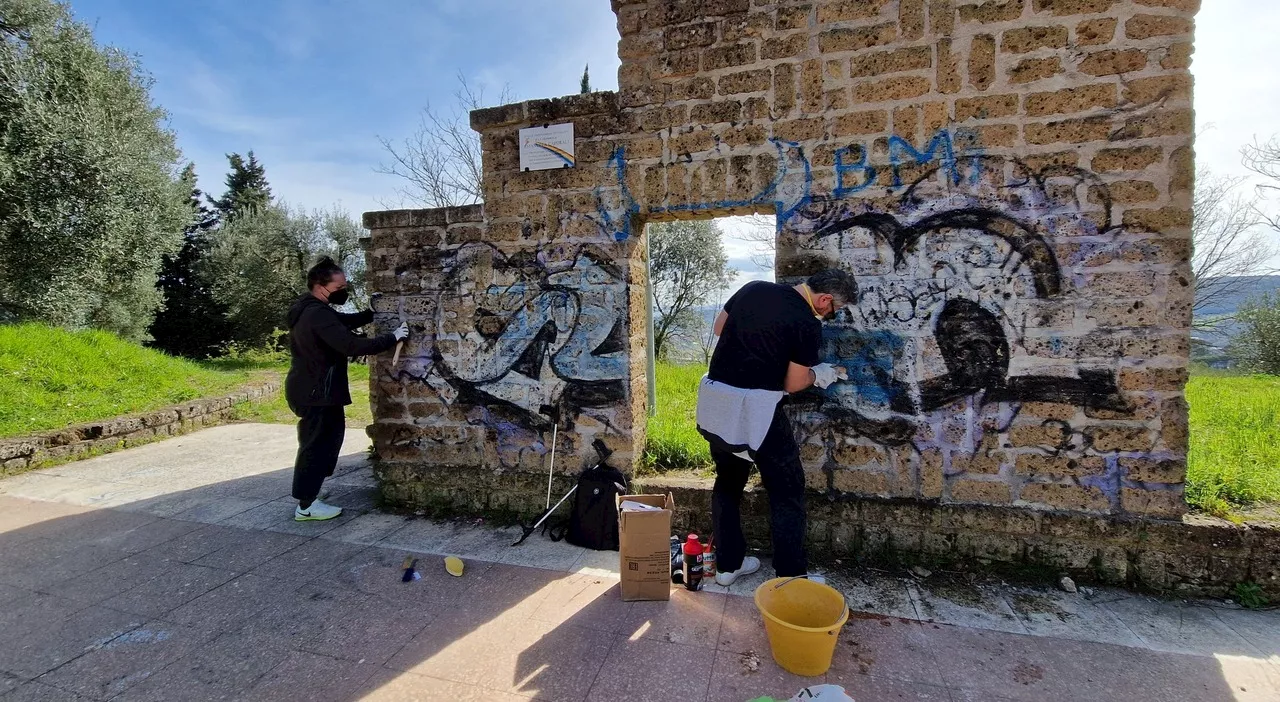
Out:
{"x": 193, "y": 322}
{"x": 585, "y": 85}
{"x": 247, "y": 188}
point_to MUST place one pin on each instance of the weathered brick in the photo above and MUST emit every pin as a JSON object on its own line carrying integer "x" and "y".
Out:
{"x": 1065, "y": 496}
{"x": 1073, "y": 7}
{"x": 980, "y": 491}
{"x": 1068, "y": 131}
{"x": 1167, "y": 503}
{"x": 856, "y": 123}
{"x": 812, "y": 85}
{"x": 881, "y": 62}
{"x": 1106, "y": 439}
{"x": 1156, "y": 220}
{"x": 861, "y": 482}
{"x": 1024, "y": 39}
{"x": 1161, "y": 379}
{"x": 992, "y": 11}
{"x": 982, "y": 61}
{"x": 1191, "y": 6}
{"x": 1132, "y": 158}
{"x": 896, "y": 88}
{"x": 1154, "y": 470}
{"x": 690, "y": 35}
{"x": 1033, "y": 464}
{"x": 1070, "y": 100}
{"x": 1177, "y": 56}
{"x": 793, "y": 17}
{"x": 986, "y": 107}
{"x": 728, "y": 56}
{"x": 1096, "y": 31}
{"x": 911, "y": 19}
{"x": 799, "y": 129}
{"x": 1147, "y": 91}
{"x": 1034, "y": 69}
{"x": 784, "y": 47}
{"x": 722, "y": 111}
{"x": 1148, "y": 26}
{"x": 751, "y": 81}
{"x": 949, "y": 80}
{"x": 857, "y": 38}
{"x": 784, "y": 88}
{"x": 843, "y": 10}
{"x": 1161, "y": 123}
{"x": 1113, "y": 62}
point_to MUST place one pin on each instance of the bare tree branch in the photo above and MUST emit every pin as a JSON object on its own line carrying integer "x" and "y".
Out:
{"x": 761, "y": 233}
{"x": 440, "y": 161}
{"x": 1228, "y": 246}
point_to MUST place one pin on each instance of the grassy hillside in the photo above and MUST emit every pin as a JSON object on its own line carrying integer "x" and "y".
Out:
{"x": 276, "y": 410}
{"x": 51, "y": 378}
{"x": 1235, "y": 440}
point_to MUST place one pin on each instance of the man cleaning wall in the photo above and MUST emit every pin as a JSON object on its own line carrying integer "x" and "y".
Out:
{"x": 770, "y": 336}
{"x": 320, "y": 341}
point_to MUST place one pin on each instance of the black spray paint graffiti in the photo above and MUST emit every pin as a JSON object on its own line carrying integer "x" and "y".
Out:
{"x": 531, "y": 335}
{"x": 952, "y": 282}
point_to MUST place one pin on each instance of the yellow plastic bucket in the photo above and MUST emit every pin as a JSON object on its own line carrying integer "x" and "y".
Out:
{"x": 803, "y": 621}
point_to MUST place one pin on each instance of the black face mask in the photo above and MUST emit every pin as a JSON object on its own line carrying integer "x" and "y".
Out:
{"x": 339, "y": 297}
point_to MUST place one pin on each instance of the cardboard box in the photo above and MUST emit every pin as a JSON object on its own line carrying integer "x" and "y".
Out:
{"x": 644, "y": 549}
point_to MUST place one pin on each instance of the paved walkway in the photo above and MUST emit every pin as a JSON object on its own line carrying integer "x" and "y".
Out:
{"x": 174, "y": 572}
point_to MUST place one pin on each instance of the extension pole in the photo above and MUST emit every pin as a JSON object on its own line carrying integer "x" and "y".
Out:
{"x": 651, "y": 370}
{"x": 552, "y": 471}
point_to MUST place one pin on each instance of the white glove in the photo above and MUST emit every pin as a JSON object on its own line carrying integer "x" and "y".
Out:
{"x": 402, "y": 332}
{"x": 824, "y": 374}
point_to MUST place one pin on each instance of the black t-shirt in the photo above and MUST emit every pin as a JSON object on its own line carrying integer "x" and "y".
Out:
{"x": 769, "y": 327}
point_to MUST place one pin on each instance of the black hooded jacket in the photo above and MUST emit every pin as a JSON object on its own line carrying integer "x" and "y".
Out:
{"x": 320, "y": 341}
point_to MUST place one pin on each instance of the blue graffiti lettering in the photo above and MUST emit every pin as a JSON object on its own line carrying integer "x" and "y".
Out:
{"x": 868, "y": 173}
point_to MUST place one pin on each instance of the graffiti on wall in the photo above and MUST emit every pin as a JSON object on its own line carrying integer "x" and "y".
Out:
{"x": 540, "y": 333}
{"x": 956, "y": 282}
{"x": 959, "y": 289}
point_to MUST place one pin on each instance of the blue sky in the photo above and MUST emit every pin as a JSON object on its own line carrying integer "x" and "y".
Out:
{"x": 310, "y": 85}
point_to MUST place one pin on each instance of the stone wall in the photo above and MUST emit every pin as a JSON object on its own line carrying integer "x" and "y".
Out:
{"x": 1010, "y": 181}
{"x": 93, "y": 438}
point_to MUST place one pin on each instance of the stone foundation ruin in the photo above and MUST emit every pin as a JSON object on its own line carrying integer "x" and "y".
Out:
{"x": 1009, "y": 180}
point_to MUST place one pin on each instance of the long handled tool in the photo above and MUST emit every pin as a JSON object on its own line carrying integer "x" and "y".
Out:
{"x": 529, "y": 530}
{"x": 395, "y": 357}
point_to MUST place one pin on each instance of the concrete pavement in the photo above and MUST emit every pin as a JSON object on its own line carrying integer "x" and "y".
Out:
{"x": 174, "y": 571}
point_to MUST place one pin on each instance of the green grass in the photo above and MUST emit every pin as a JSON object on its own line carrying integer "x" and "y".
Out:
{"x": 1235, "y": 441}
{"x": 51, "y": 378}
{"x": 276, "y": 411}
{"x": 674, "y": 442}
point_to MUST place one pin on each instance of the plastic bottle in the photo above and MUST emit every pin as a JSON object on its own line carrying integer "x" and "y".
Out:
{"x": 692, "y": 563}
{"x": 708, "y": 560}
{"x": 677, "y": 561}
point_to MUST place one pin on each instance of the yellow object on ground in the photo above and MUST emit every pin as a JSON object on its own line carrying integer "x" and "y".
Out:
{"x": 803, "y": 621}
{"x": 453, "y": 565}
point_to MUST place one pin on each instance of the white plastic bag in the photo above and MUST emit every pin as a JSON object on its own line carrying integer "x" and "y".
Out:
{"x": 822, "y": 693}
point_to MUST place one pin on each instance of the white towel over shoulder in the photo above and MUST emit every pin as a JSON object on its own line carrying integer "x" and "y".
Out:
{"x": 734, "y": 418}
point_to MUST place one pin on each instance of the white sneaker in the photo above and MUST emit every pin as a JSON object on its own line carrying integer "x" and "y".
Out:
{"x": 318, "y": 511}
{"x": 750, "y": 564}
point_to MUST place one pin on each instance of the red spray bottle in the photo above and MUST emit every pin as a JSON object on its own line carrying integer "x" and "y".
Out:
{"x": 692, "y": 563}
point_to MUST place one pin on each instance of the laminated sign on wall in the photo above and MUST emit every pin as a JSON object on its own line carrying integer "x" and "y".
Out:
{"x": 548, "y": 146}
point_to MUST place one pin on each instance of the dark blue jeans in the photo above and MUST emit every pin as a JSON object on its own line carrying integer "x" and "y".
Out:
{"x": 783, "y": 478}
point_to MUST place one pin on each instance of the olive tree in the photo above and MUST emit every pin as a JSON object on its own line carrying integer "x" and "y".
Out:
{"x": 90, "y": 193}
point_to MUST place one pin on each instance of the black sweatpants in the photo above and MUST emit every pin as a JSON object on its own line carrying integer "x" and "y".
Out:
{"x": 783, "y": 478}
{"x": 320, "y": 434}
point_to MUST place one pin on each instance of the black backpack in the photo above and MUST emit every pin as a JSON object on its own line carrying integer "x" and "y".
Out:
{"x": 594, "y": 521}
